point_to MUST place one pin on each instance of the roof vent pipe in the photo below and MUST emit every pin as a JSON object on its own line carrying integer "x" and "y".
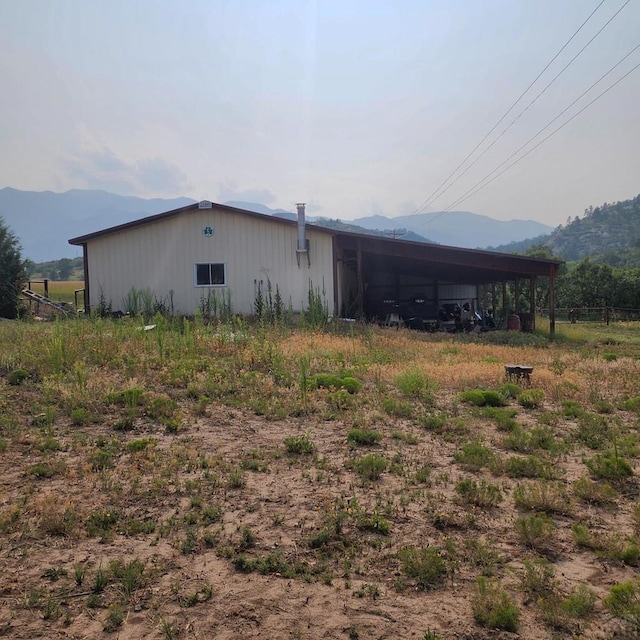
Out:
{"x": 303, "y": 243}
{"x": 302, "y": 232}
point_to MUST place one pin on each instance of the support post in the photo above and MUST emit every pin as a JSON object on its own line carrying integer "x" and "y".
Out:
{"x": 552, "y": 301}
{"x": 532, "y": 301}
{"x": 360, "y": 281}
{"x": 505, "y": 311}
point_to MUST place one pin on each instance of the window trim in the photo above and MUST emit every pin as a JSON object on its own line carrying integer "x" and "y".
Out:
{"x": 209, "y": 286}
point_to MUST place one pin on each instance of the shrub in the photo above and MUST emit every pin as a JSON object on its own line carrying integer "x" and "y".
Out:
{"x": 334, "y": 382}
{"x": 571, "y": 409}
{"x": 592, "y": 492}
{"x": 503, "y": 417}
{"x": 433, "y": 421}
{"x": 482, "y": 397}
{"x": 161, "y": 407}
{"x": 538, "y": 578}
{"x": 531, "y": 398}
{"x": 473, "y": 396}
{"x": 17, "y": 377}
{"x": 509, "y": 390}
{"x": 80, "y": 416}
{"x": 493, "y": 607}
{"x": 529, "y": 467}
{"x": 530, "y": 440}
{"x": 534, "y": 531}
{"x": 364, "y": 436}
{"x": 609, "y": 466}
{"x": 425, "y": 565}
{"x": 483, "y": 494}
{"x": 474, "y": 456}
{"x": 494, "y": 399}
{"x": 134, "y": 446}
{"x": 415, "y": 383}
{"x": 542, "y": 496}
{"x": 301, "y": 444}
{"x": 398, "y": 408}
{"x": 593, "y": 430}
{"x": 370, "y": 467}
{"x": 623, "y": 602}
{"x": 632, "y": 404}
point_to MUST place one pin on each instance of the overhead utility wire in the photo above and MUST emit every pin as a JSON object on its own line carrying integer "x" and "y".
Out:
{"x": 479, "y": 186}
{"x": 506, "y": 113}
{"x": 535, "y": 100}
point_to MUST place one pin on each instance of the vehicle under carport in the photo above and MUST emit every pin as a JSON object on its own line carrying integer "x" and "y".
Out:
{"x": 375, "y": 277}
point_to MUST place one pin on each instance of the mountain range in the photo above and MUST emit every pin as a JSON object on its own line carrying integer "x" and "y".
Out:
{"x": 44, "y": 221}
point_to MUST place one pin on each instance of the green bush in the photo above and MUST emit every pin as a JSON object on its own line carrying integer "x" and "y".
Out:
{"x": 592, "y": 492}
{"x": 426, "y": 565}
{"x": 473, "y": 396}
{"x": 502, "y": 416}
{"x": 415, "y": 383}
{"x": 609, "y": 466}
{"x": 334, "y": 382}
{"x": 301, "y": 444}
{"x": 529, "y": 467}
{"x": 593, "y": 430}
{"x": 474, "y": 456}
{"x": 483, "y": 494}
{"x": 364, "y": 436}
{"x": 509, "y": 390}
{"x": 531, "y": 398}
{"x": 571, "y": 409}
{"x": 542, "y": 496}
{"x": 632, "y": 404}
{"x": 17, "y": 377}
{"x": 534, "y": 531}
{"x": 493, "y": 607}
{"x": 370, "y": 467}
{"x": 398, "y": 408}
{"x": 483, "y": 397}
{"x": 623, "y": 602}
{"x": 494, "y": 398}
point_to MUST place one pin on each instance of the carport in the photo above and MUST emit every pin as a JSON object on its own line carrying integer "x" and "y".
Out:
{"x": 371, "y": 273}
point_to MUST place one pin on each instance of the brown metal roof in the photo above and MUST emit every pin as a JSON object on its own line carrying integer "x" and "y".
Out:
{"x": 461, "y": 265}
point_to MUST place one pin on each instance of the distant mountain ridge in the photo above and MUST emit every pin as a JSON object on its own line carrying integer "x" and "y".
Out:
{"x": 460, "y": 228}
{"x": 44, "y": 221}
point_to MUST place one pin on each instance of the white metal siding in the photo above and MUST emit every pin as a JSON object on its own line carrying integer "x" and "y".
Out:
{"x": 161, "y": 256}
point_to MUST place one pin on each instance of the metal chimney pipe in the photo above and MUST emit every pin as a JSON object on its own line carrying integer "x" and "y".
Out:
{"x": 302, "y": 233}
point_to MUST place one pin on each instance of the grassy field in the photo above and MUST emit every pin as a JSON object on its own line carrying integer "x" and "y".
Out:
{"x": 237, "y": 481}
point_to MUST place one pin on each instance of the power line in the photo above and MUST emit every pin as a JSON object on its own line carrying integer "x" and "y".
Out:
{"x": 507, "y": 112}
{"x": 479, "y": 186}
{"x": 536, "y": 99}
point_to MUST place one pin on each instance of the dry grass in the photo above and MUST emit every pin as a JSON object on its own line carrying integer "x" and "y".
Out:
{"x": 156, "y": 484}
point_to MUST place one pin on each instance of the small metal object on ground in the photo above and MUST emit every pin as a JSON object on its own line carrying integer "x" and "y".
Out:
{"x": 518, "y": 373}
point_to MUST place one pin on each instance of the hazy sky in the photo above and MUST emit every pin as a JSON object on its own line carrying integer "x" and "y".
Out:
{"x": 354, "y": 107}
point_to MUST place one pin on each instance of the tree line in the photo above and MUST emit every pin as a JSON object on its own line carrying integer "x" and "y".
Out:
{"x": 587, "y": 284}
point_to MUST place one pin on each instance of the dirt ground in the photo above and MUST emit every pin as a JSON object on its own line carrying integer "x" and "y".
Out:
{"x": 193, "y": 509}
{"x": 281, "y": 506}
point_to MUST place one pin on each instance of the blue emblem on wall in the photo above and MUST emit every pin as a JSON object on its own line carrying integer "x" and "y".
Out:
{"x": 207, "y": 232}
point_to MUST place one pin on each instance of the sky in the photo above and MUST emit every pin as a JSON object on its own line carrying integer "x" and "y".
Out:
{"x": 354, "y": 107}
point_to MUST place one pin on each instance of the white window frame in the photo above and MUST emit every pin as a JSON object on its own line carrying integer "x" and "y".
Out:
{"x": 209, "y": 286}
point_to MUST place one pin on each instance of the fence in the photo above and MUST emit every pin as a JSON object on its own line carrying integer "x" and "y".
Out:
{"x": 593, "y": 314}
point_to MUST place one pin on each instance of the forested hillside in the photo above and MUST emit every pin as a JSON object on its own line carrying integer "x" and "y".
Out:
{"x": 609, "y": 234}
{"x": 603, "y": 231}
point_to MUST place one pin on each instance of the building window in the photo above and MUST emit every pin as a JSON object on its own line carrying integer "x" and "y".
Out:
{"x": 210, "y": 275}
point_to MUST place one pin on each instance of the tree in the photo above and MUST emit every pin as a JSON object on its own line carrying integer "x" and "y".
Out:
{"x": 12, "y": 272}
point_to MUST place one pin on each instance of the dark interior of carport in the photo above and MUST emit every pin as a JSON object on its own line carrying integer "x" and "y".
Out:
{"x": 384, "y": 271}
